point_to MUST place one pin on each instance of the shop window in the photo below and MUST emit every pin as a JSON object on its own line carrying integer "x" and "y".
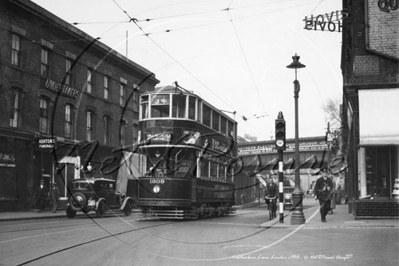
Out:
{"x": 380, "y": 168}
{"x": 8, "y": 179}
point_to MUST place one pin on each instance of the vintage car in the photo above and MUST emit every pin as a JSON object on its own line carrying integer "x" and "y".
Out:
{"x": 96, "y": 194}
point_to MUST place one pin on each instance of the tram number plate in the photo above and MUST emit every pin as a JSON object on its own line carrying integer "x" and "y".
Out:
{"x": 157, "y": 181}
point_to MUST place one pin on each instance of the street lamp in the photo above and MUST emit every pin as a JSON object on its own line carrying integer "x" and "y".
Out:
{"x": 297, "y": 216}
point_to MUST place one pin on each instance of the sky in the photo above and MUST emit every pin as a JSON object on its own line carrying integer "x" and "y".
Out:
{"x": 232, "y": 53}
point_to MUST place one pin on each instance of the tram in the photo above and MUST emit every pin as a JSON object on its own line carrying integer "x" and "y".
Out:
{"x": 189, "y": 151}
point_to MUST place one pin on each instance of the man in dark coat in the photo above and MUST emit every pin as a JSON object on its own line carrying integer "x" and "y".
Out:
{"x": 322, "y": 192}
{"x": 40, "y": 196}
{"x": 55, "y": 196}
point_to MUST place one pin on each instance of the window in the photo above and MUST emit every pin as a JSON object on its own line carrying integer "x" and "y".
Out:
{"x": 215, "y": 120}
{"x": 106, "y": 89}
{"x": 206, "y": 116}
{"x": 223, "y": 125}
{"x": 191, "y": 107}
{"x": 122, "y": 132}
{"x": 45, "y": 67}
{"x": 199, "y": 111}
{"x": 179, "y": 106}
{"x": 44, "y": 116}
{"x": 89, "y": 125}
{"x": 89, "y": 83}
{"x": 15, "y": 50}
{"x": 68, "y": 121}
{"x": 135, "y": 133}
{"x": 68, "y": 80}
{"x": 231, "y": 129}
{"x": 122, "y": 94}
{"x": 136, "y": 101}
{"x": 160, "y": 105}
{"x": 144, "y": 107}
{"x": 106, "y": 129}
{"x": 15, "y": 109}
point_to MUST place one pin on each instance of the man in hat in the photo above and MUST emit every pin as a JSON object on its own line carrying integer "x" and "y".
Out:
{"x": 40, "y": 196}
{"x": 322, "y": 192}
{"x": 55, "y": 196}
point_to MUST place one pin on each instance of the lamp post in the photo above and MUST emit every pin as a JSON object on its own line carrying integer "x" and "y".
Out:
{"x": 297, "y": 216}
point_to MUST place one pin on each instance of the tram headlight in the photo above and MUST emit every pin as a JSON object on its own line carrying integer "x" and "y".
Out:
{"x": 156, "y": 189}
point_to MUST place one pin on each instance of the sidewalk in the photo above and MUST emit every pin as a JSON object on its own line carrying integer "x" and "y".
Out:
{"x": 340, "y": 217}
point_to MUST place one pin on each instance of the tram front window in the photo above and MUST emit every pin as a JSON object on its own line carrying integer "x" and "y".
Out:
{"x": 179, "y": 106}
{"x": 160, "y": 105}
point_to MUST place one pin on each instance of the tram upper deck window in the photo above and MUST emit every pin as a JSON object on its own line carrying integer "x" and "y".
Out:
{"x": 206, "y": 116}
{"x": 179, "y": 106}
{"x": 231, "y": 129}
{"x": 144, "y": 107}
{"x": 191, "y": 107}
{"x": 199, "y": 111}
{"x": 160, "y": 105}
{"x": 223, "y": 125}
{"x": 215, "y": 120}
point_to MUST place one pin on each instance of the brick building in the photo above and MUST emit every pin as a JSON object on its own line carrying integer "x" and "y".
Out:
{"x": 68, "y": 103}
{"x": 370, "y": 69}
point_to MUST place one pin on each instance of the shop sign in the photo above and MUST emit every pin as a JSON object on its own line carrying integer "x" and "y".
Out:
{"x": 45, "y": 143}
{"x": 64, "y": 89}
{"x": 324, "y": 22}
{"x": 270, "y": 147}
{"x": 7, "y": 160}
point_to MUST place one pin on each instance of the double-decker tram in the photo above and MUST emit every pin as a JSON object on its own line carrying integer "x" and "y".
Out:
{"x": 189, "y": 149}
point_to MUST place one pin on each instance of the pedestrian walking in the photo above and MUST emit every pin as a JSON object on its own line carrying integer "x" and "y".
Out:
{"x": 40, "y": 196}
{"x": 55, "y": 196}
{"x": 322, "y": 192}
{"x": 333, "y": 195}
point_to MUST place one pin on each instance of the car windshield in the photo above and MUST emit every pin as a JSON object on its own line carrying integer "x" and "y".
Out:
{"x": 81, "y": 186}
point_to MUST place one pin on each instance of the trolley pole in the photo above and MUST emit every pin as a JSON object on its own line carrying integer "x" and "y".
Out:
{"x": 280, "y": 186}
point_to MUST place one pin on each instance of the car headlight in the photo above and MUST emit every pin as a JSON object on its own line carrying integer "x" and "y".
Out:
{"x": 156, "y": 189}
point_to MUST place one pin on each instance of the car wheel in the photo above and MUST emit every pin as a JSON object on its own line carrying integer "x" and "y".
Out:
{"x": 78, "y": 201}
{"x": 70, "y": 213}
{"x": 100, "y": 209}
{"x": 128, "y": 208}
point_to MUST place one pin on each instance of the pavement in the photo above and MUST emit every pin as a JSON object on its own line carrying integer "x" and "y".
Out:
{"x": 340, "y": 217}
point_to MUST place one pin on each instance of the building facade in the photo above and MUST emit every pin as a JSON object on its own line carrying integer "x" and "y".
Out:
{"x": 68, "y": 103}
{"x": 370, "y": 68}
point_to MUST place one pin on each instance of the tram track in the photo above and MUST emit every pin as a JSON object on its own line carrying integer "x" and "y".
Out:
{"x": 111, "y": 235}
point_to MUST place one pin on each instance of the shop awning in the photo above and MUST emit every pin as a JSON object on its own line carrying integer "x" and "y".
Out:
{"x": 378, "y": 117}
